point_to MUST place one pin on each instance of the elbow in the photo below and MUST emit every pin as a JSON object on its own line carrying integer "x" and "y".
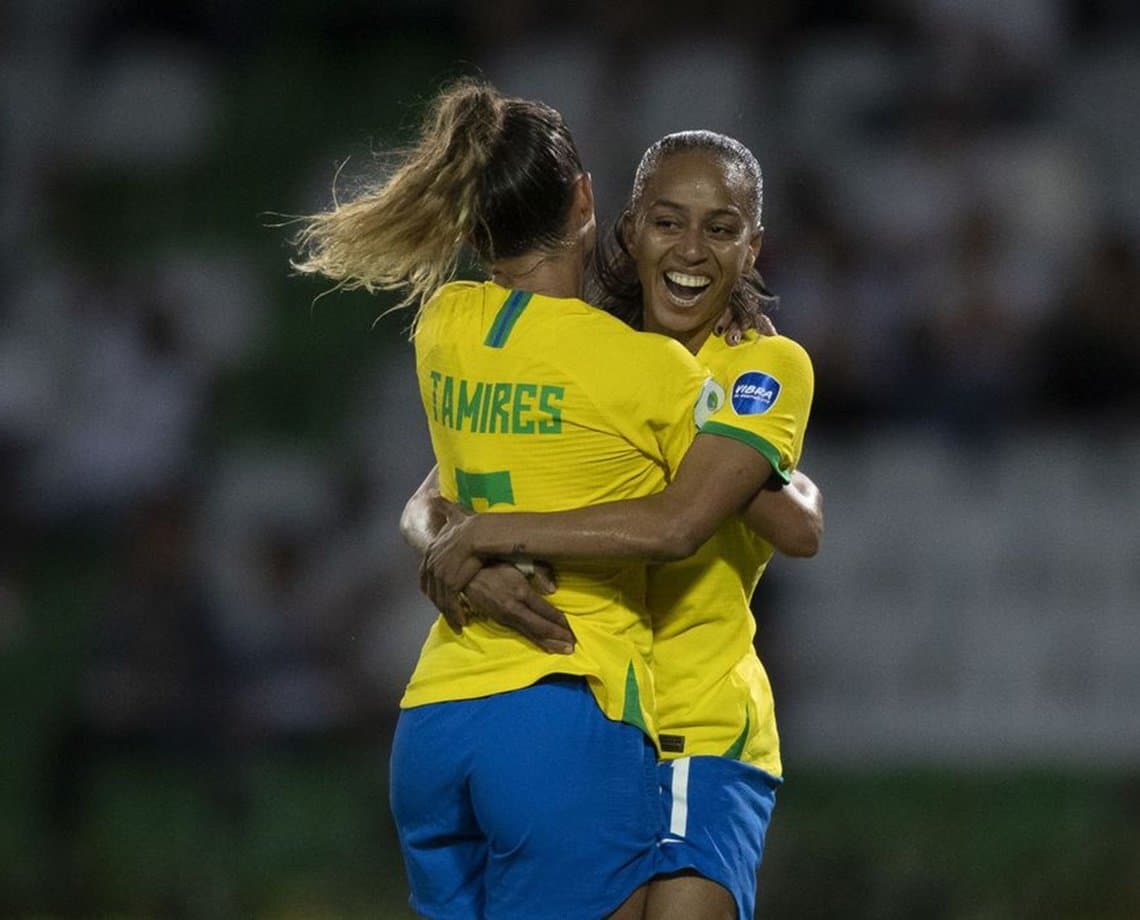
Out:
{"x": 805, "y": 542}
{"x": 803, "y": 548}
{"x": 416, "y": 522}
{"x": 408, "y": 524}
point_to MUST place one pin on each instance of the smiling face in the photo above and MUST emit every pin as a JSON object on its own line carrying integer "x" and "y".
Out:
{"x": 692, "y": 237}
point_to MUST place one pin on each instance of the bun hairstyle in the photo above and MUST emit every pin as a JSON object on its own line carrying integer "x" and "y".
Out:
{"x": 489, "y": 171}
{"x": 616, "y": 285}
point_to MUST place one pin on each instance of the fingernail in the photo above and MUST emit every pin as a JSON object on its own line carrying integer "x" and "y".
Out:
{"x": 562, "y": 648}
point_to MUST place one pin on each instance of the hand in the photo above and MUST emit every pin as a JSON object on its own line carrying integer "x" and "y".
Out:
{"x": 502, "y": 593}
{"x": 449, "y": 563}
{"x": 732, "y": 326}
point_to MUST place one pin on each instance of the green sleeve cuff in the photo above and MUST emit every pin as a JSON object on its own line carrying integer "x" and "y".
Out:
{"x": 752, "y": 440}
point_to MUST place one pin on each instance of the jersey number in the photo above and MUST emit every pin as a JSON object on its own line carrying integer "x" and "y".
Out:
{"x": 494, "y": 488}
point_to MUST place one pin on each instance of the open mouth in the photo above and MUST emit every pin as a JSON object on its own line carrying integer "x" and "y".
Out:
{"x": 686, "y": 289}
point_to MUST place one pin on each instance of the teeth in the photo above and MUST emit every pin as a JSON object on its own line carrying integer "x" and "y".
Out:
{"x": 691, "y": 281}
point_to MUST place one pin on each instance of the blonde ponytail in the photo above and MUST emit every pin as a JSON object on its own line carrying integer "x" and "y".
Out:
{"x": 406, "y": 231}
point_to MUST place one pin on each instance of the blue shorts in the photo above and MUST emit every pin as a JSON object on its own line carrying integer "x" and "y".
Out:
{"x": 529, "y": 804}
{"x": 716, "y": 813}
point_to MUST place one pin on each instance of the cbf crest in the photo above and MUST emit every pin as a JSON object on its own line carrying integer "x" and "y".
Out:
{"x": 711, "y": 399}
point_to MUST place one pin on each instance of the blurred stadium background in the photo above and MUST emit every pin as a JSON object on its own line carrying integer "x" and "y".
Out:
{"x": 206, "y": 614}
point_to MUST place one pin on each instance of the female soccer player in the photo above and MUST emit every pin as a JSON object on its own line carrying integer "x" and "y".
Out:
{"x": 523, "y": 784}
{"x": 687, "y": 243}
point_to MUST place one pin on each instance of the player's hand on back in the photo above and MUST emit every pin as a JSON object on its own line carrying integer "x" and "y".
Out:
{"x": 502, "y": 593}
{"x": 462, "y": 586}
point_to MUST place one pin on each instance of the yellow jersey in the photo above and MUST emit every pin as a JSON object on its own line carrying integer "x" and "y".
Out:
{"x": 538, "y": 403}
{"x": 713, "y": 695}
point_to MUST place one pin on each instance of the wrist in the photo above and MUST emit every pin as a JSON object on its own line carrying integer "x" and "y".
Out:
{"x": 478, "y": 535}
{"x": 489, "y": 536}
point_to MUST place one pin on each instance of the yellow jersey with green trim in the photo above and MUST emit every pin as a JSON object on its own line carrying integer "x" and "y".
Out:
{"x": 713, "y": 695}
{"x": 538, "y": 403}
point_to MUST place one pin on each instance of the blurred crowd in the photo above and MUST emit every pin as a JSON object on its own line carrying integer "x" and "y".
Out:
{"x": 952, "y": 213}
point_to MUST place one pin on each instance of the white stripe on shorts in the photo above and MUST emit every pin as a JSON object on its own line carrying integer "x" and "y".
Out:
{"x": 679, "y": 815}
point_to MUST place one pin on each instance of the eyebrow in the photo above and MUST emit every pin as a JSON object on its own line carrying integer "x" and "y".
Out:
{"x": 666, "y": 203}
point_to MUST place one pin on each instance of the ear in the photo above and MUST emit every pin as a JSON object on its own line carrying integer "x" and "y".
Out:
{"x": 627, "y": 229}
{"x": 583, "y": 206}
{"x": 754, "y": 245}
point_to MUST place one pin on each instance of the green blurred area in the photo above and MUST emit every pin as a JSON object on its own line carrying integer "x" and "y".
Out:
{"x": 316, "y": 841}
{"x": 304, "y": 831}
{"x": 288, "y": 831}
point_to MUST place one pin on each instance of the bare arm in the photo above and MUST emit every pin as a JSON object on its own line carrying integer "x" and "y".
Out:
{"x": 790, "y": 519}
{"x": 717, "y": 477}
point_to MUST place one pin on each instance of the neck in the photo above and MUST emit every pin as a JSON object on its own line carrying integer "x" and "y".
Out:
{"x": 553, "y": 274}
{"x": 692, "y": 339}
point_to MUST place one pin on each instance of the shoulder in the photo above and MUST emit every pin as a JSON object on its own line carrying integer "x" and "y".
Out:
{"x": 457, "y": 288}
{"x": 453, "y": 292}
{"x": 759, "y": 353}
{"x": 656, "y": 363}
{"x": 597, "y": 334}
{"x": 775, "y": 346}
{"x": 449, "y": 297}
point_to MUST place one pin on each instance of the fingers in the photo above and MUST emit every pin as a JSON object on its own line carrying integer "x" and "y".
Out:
{"x": 550, "y": 614}
{"x": 454, "y": 575}
{"x": 462, "y": 578}
{"x": 732, "y": 326}
{"x": 459, "y": 612}
{"x": 723, "y": 322}
{"x": 454, "y": 617}
{"x": 540, "y": 627}
{"x": 455, "y": 608}
{"x": 540, "y": 621}
{"x": 502, "y": 594}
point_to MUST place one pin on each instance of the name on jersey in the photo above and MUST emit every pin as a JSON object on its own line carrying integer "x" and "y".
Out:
{"x": 496, "y": 407}
{"x": 754, "y": 393}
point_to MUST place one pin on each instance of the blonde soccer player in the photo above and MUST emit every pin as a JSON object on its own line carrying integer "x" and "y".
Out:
{"x": 523, "y": 784}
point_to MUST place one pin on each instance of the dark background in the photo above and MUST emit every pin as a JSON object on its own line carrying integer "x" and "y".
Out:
{"x": 206, "y": 613}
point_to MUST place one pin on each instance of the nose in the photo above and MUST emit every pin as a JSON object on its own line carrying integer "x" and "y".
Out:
{"x": 690, "y": 246}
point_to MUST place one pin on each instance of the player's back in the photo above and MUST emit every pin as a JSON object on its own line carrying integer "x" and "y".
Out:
{"x": 537, "y": 403}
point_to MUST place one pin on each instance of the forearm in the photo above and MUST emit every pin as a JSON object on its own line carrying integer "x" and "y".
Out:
{"x": 791, "y": 519}
{"x": 715, "y": 480}
{"x": 648, "y": 529}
